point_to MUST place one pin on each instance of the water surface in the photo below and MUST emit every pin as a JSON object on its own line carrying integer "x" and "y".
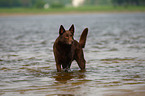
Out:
{"x": 114, "y": 52}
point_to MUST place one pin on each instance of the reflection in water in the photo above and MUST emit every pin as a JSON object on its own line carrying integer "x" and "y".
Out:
{"x": 66, "y": 82}
{"x": 65, "y": 76}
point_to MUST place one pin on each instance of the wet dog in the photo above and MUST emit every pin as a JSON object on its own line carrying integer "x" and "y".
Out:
{"x": 66, "y": 49}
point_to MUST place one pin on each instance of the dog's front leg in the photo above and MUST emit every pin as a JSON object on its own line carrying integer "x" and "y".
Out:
{"x": 58, "y": 66}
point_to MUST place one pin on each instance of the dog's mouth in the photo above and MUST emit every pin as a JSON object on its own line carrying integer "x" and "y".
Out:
{"x": 70, "y": 43}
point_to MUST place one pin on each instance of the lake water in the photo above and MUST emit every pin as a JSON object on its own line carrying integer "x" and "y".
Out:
{"x": 115, "y": 55}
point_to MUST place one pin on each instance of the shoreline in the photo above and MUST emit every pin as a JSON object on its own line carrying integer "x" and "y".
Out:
{"x": 71, "y": 10}
{"x": 69, "y": 13}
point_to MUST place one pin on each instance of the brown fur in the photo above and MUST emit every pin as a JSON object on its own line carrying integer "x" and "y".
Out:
{"x": 66, "y": 49}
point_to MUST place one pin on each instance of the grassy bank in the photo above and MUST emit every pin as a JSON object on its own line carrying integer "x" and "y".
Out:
{"x": 83, "y": 9}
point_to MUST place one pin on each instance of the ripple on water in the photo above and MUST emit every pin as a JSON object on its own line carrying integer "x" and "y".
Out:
{"x": 114, "y": 54}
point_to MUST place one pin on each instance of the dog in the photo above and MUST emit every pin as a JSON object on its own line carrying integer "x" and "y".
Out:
{"x": 66, "y": 49}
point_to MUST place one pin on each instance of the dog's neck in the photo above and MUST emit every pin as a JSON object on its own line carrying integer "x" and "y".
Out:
{"x": 64, "y": 48}
{"x": 63, "y": 45}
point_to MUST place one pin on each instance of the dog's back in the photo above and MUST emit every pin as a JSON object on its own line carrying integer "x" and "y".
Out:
{"x": 66, "y": 49}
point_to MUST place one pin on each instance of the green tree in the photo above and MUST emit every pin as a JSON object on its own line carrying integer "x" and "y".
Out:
{"x": 39, "y": 3}
{"x": 128, "y": 2}
{"x": 10, "y": 3}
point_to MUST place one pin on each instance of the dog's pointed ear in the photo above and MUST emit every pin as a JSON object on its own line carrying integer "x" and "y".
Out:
{"x": 61, "y": 30}
{"x": 72, "y": 28}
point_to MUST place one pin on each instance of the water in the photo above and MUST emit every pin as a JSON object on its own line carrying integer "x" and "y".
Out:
{"x": 114, "y": 52}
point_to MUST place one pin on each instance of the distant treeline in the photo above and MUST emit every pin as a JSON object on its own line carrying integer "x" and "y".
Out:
{"x": 57, "y": 3}
{"x": 32, "y": 3}
{"x": 21, "y": 3}
{"x": 128, "y": 2}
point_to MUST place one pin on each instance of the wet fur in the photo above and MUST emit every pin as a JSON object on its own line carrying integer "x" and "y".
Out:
{"x": 66, "y": 49}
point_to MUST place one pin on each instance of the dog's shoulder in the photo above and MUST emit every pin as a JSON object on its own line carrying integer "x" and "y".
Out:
{"x": 56, "y": 41}
{"x": 56, "y": 45}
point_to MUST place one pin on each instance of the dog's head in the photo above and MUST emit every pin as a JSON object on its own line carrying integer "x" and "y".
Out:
{"x": 66, "y": 36}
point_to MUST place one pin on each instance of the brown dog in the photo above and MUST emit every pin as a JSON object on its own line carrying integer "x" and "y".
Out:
{"x": 66, "y": 49}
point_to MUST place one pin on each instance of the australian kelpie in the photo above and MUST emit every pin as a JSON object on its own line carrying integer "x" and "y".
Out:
{"x": 66, "y": 49}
